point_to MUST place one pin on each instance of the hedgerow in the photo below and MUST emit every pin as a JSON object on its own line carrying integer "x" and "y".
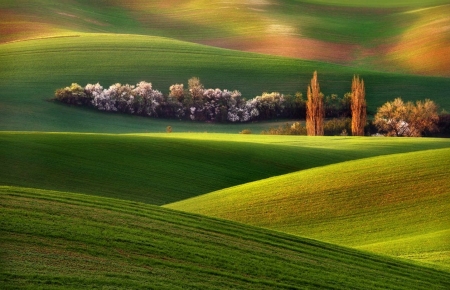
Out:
{"x": 195, "y": 103}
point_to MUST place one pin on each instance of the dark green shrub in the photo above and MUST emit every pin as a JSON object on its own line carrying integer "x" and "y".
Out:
{"x": 336, "y": 127}
{"x": 287, "y": 129}
{"x": 73, "y": 95}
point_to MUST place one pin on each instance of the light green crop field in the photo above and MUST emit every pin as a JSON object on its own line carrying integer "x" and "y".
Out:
{"x": 164, "y": 168}
{"x": 33, "y": 70}
{"x": 60, "y": 240}
{"x": 396, "y": 204}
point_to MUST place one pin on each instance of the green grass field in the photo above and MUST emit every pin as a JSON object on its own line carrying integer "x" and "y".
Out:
{"x": 33, "y": 70}
{"x": 358, "y": 34}
{"x": 389, "y": 204}
{"x": 85, "y": 42}
{"x": 81, "y": 191}
{"x": 59, "y": 240}
{"x": 164, "y": 168}
{"x": 378, "y": 4}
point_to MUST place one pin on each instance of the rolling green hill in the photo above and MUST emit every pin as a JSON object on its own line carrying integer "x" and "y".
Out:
{"x": 45, "y": 45}
{"x": 384, "y": 196}
{"x": 33, "y": 70}
{"x": 381, "y": 3}
{"x": 164, "y": 168}
{"x": 396, "y": 204}
{"x": 401, "y": 36}
{"x": 59, "y": 240}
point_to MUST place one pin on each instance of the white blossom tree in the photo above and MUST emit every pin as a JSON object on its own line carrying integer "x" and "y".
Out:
{"x": 269, "y": 105}
{"x": 105, "y": 101}
{"x": 149, "y": 100}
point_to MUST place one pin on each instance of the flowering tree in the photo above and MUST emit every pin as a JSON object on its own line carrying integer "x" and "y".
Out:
{"x": 123, "y": 95}
{"x": 177, "y": 92}
{"x": 218, "y": 105}
{"x": 195, "y": 103}
{"x": 195, "y": 88}
{"x": 140, "y": 99}
{"x": 93, "y": 90}
{"x": 148, "y": 101}
{"x": 406, "y": 119}
{"x": 270, "y": 105}
{"x": 105, "y": 101}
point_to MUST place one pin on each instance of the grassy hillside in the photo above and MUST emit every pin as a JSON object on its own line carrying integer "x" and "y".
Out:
{"x": 164, "y": 168}
{"x": 402, "y": 36}
{"x": 387, "y": 196}
{"x": 59, "y": 240}
{"x": 33, "y": 70}
{"x": 396, "y": 204}
{"x": 381, "y": 3}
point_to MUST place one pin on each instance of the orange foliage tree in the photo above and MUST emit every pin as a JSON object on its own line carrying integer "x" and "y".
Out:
{"x": 315, "y": 110}
{"x": 358, "y": 105}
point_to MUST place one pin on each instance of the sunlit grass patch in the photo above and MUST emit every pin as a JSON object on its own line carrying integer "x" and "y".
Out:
{"x": 163, "y": 168}
{"x": 62, "y": 240}
{"x": 377, "y": 200}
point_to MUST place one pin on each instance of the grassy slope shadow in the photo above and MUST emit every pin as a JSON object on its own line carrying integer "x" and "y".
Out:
{"x": 164, "y": 168}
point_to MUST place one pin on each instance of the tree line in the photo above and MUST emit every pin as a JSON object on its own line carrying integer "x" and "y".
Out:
{"x": 195, "y": 102}
{"x": 215, "y": 105}
{"x": 392, "y": 119}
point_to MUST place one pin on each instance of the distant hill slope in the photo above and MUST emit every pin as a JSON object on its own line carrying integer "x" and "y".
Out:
{"x": 396, "y": 204}
{"x": 33, "y": 70}
{"x": 401, "y": 36}
{"x": 164, "y": 168}
{"x": 59, "y": 240}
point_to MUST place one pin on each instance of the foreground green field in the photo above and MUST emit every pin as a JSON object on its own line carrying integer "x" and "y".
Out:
{"x": 164, "y": 168}
{"x": 33, "y": 70}
{"x": 396, "y": 204}
{"x": 59, "y": 240}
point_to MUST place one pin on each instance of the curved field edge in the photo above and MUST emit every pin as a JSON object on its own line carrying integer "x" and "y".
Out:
{"x": 392, "y": 36}
{"x": 164, "y": 168}
{"x": 64, "y": 240}
{"x": 387, "y": 204}
{"x": 33, "y": 70}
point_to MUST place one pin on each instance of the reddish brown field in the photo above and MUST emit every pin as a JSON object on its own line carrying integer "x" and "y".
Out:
{"x": 425, "y": 47}
{"x": 290, "y": 46}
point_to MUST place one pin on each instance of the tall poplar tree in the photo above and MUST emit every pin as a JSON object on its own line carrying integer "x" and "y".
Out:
{"x": 358, "y": 104}
{"x": 315, "y": 110}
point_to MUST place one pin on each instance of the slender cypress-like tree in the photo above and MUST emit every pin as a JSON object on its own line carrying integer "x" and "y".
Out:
{"x": 315, "y": 111}
{"x": 359, "y": 114}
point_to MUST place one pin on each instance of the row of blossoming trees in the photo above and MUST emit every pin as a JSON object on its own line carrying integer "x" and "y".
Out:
{"x": 215, "y": 105}
{"x": 195, "y": 102}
